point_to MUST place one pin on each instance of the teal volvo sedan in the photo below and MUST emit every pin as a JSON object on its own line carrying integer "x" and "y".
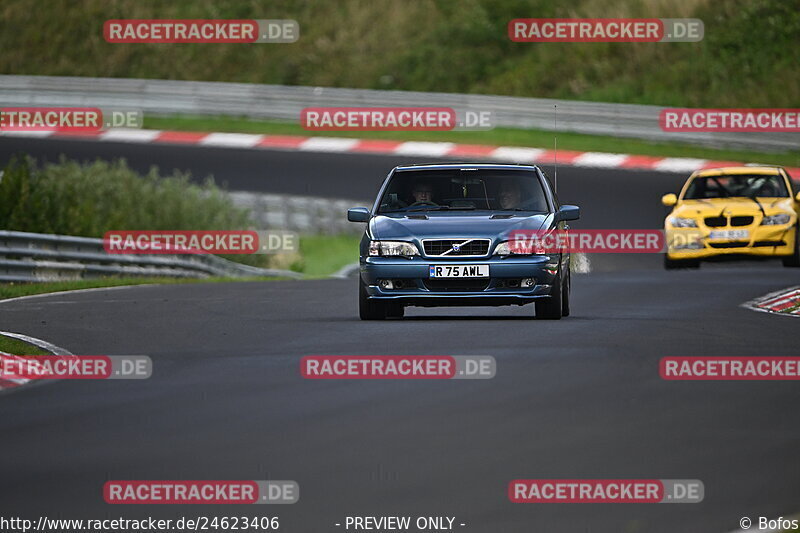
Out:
{"x": 441, "y": 235}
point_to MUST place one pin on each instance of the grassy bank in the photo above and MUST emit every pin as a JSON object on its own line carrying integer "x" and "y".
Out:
{"x": 748, "y": 57}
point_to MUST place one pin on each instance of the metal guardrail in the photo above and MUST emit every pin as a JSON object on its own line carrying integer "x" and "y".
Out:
{"x": 166, "y": 97}
{"x": 303, "y": 214}
{"x": 28, "y": 257}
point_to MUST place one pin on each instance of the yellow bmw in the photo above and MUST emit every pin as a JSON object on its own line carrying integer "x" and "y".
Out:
{"x": 749, "y": 210}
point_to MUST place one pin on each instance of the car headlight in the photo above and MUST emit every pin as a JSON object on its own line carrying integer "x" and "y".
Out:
{"x": 774, "y": 220}
{"x": 679, "y": 222}
{"x": 518, "y": 248}
{"x": 392, "y": 249}
{"x": 503, "y": 249}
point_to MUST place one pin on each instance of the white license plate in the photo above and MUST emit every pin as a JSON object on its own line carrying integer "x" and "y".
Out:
{"x": 459, "y": 271}
{"x": 735, "y": 234}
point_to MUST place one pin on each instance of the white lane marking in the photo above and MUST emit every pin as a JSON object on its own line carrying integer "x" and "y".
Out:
{"x": 130, "y": 135}
{"x": 346, "y": 270}
{"x": 514, "y": 154}
{"x": 73, "y": 291}
{"x": 327, "y": 144}
{"x": 679, "y": 164}
{"x": 27, "y": 133}
{"x": 44, "y": 345}
{"x": 599, "y": 159}
{"x": 231, "y": 140}
{"x": 424, "y": 148}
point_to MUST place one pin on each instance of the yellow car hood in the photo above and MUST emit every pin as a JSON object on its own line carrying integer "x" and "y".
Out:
{"x": 732, "y": 207}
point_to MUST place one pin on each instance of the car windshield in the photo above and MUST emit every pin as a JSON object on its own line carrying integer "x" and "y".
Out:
{"x": 463, "y": 190}
{"x": 744, "y": 186}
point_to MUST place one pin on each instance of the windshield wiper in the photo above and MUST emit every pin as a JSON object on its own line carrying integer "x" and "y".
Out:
{"x": 440, "y": 208}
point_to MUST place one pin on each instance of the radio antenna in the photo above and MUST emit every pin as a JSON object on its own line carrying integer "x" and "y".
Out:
{"x": 555, "y": 146}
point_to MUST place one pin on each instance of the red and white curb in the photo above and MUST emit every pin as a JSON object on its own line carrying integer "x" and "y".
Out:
{"x": 778, "y": 302}
{"x": 509, "y": 154}
{"x": 6, "y": 384}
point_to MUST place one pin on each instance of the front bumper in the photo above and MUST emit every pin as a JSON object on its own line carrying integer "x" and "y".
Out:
{"x": 502, "y": 287}
{"x": 764, "y": 241}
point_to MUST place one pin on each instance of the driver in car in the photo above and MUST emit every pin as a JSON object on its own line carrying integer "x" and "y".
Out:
{"x": 423, "y": 194}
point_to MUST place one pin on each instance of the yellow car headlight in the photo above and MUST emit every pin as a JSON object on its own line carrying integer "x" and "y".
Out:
{"x": 776, "y": 220}
{"x": 679, "y": 222}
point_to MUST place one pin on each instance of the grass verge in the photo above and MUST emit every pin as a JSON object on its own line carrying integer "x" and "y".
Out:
{"x": 17, "y": 347}
{"x": 324, "y": 255}
{"x": 497, "y": 136}
{"x": 320, "y": 256}
{"x": 14, "y": 290}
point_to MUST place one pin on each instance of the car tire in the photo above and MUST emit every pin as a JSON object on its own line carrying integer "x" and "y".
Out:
{"x": 551, "y": 308}
{"x": 674, "y": 264}
{"x": 369, "y": 309}
{"x": 793, "y": 261}
{"x": 565, "y": 294}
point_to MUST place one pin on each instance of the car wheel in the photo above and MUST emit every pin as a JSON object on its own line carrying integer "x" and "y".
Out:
{"x": 794, "y": 259}
{"x": 369, "y": 309}
{"x": 565, "y": 294}
{"x": 551, "y": 308}
{"x": 673, "y": 264}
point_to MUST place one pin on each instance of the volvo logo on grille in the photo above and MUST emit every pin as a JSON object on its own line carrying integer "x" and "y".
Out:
{"x": 456, "y": 247}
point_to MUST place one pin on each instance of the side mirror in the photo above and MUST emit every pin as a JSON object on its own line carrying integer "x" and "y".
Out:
{"x": 358, "y": 214}
{"x": 669, "y": 199}
{"x": 797, "y": 197}
{"x": 568, "y": 212}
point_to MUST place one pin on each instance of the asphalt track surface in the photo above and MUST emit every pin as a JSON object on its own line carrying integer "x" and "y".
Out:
{"x": 577, "y": 398}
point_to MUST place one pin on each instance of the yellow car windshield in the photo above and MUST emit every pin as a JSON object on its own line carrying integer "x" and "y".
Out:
{"x": 744, "y": 186}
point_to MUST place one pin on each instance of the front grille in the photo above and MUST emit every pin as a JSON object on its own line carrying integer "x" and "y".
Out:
{"x": 466, "y": 247}
{"x": 769, "y": 243}
{"x": 741, "y": 221}
{"x": 456, "y": 285}
{"x": 716, "y": 222}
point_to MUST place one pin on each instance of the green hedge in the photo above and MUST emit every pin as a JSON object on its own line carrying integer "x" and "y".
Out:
{"x": 88, "y": 199}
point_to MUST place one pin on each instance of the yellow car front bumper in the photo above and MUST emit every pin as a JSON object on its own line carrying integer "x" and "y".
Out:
{"x": 697, "y": 243}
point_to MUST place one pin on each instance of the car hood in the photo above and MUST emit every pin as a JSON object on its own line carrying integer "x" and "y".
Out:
{"x": 732, "y": 207}
{"x": 448, "y": 225}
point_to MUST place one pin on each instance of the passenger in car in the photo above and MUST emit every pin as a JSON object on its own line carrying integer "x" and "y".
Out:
{"x": 510, "y": 197}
